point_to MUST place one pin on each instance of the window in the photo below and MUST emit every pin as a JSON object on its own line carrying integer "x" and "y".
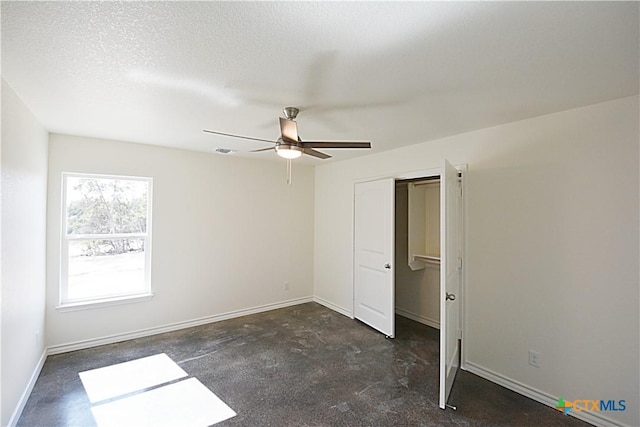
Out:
{"x": 106, "y": 239}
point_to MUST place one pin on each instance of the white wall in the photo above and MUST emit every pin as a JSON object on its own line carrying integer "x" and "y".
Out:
{"x": 552, "y": 258}
{"x": 227, "y": 233}
{"x": 23, "y": 199}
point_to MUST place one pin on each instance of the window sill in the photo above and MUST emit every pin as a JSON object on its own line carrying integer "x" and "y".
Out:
{"x": 106, "y": 302}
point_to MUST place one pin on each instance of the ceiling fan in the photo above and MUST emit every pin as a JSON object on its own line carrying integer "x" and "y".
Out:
{"x": 290, "y": 146}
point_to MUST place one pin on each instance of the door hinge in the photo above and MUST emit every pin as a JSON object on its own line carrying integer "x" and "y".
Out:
{"x": 459, "y": 263}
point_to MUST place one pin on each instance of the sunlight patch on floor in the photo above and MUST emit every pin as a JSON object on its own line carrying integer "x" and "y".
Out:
{"x": 123, "y": 378}
{"x": 124, "y": 398}
{"x": 186, "y": 403}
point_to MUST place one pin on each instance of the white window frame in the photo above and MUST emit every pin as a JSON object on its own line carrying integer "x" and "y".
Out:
{"x": 66, "y": 304}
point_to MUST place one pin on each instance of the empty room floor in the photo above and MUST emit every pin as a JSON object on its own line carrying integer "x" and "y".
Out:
{"x": 303, "y": 365}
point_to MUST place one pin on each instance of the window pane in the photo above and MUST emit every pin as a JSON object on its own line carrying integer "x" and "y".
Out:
{"x": 103, "y": 268}
{"x": 106, "y": 206}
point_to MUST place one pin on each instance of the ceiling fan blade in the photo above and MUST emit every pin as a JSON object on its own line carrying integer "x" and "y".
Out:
{"x": 238, "y": 136}
{"x": 314, "y": 153}
{"x": 336, "y": 144}
{"x": 289, "y": 130}
{"x": 263, "y": 149}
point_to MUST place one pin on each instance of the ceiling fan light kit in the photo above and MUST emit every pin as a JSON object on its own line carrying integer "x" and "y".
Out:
{"x": 288, "y": 151}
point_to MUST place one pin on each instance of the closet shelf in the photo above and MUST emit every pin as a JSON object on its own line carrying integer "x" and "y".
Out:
{"x": 426, "y": 258}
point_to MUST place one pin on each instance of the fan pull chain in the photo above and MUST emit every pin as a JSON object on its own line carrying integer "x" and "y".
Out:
{"x": 289, "y": 181}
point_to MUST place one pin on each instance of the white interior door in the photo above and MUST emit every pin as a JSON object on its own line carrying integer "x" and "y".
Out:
{"x": 374, "y": 246}
{"x": 449, "y": 279}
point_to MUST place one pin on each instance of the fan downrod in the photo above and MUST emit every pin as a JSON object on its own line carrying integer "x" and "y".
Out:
{"x": 290, "y": 113}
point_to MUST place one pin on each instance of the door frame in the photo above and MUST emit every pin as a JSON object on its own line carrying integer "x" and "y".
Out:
{"x": 425, "y": 173}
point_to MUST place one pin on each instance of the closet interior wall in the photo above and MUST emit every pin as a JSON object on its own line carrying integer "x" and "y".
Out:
{"x": 417, "y": 283}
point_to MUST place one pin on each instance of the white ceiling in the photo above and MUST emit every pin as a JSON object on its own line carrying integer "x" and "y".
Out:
{"x": 392, "y": 73}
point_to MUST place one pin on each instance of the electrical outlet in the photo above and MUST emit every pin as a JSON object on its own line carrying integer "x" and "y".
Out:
{"x": 534, "y": 358}
{"x": 286, "y": 286}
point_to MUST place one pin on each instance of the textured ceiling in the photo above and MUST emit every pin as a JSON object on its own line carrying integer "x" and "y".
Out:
{"x": 393, "y": 73}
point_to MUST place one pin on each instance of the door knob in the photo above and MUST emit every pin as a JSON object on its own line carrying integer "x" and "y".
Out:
{"x": 450, "y": 297}
{"x": 387, "y": 266}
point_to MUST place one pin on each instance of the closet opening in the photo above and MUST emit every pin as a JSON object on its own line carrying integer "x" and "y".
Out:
{"x": 417, "y": 250}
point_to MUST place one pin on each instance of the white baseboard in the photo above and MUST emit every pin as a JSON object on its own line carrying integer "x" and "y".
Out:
{"x": 418, "y": 318}
{"x": 539, "y": 396}
{"x": 79, "y": 345}
{"x": 333, "y": 307}
{"x": 27, "y": 391}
